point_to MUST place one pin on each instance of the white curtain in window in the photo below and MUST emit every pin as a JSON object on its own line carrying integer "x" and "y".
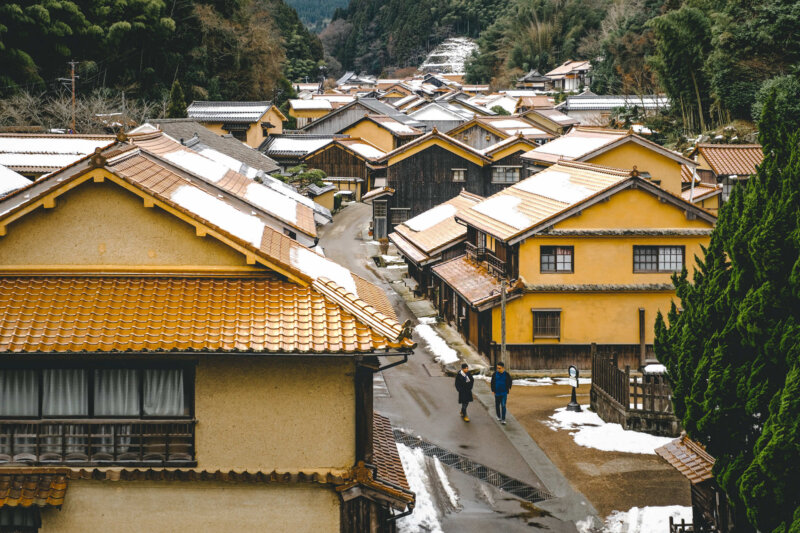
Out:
{"x": 65, "y": 392}
{"x": 19, "y": 393}
{"x": 116, "y": 392}
{"x": 163, "y": 392}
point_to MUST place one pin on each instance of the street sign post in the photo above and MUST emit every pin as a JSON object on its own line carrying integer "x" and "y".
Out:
{"x": 573, "y": 404}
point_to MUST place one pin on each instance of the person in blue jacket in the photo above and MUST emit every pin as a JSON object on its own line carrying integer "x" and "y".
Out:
{"x": 501, "y": 386}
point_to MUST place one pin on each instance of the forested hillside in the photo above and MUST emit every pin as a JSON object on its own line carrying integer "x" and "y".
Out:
{"x": 216, "y": 48}
{"x": 316, "y": 14}
{"x": 370, "y": 35}
{"x": 710, "y": 56}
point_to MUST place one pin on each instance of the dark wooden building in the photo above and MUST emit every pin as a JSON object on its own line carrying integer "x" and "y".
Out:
{"x": 344, "y": 158}
{"x": 435, "y": 168}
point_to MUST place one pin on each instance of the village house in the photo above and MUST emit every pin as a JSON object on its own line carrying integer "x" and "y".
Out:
{"x": 440, "y": 115}
{"x": 726, "y": 164}
{"x": 585, "y": 254}
{"x": 482, "y": 132}
{"x": 345, "y": 158}
{"x": 612, "y": 148}
{"x": 36, "y": 154}
{"x": 433, "y": 169}
{"x": 250, "y": 122}
{"x": 163, "y": 348}
{"x": 306, "y": 111}
{"x": 533, "y": 80}
{"x": 432, "y": 237}
{"x": 569, "y": 76}
{"x": 382, "y": 131}
{"x": 289, "y": 149}
{"x": 549, "y": 120}
{"x": 597, "y": 110}
{"x": 345, "y": 116}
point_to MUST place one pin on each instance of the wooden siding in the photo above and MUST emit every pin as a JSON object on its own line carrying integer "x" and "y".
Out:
{"x": 338, "y": 162}
{"x": 425, "y": 180}
{"x": 476, "y": 137}
{"x": 561, "y": 356}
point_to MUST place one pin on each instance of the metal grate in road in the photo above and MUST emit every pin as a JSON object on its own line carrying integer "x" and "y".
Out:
{"x": 477, "y": 470}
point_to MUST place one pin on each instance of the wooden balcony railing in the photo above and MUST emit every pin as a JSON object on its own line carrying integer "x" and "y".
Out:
{"x": 473, "y": 252}
{"x": 93, "y": 442}
{"x": 496, "y": 266}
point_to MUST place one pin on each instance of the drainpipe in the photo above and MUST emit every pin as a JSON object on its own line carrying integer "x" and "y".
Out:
{"x": 694, "y": 178}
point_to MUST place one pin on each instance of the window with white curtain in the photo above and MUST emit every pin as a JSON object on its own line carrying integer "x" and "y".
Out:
{"x": 100, "y": 393}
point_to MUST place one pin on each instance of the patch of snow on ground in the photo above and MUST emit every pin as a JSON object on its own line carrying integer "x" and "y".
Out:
{"x": 431, "y": 217}
{"x": 585, "y": 526}
{"x": 272, "y": 202}
{"x": 591, "y": 431}
{"x": 427, "y": 320}
{"x": 425, "y": 516}
{"x": 437, "y": 345}
{"x": 318, "y": 267}
{"x": 247, "y": 227}
{"x": 556, "y": 186}
{"x": 197, "y": 165}
{"x": 503, "y": 209}
{"x": 452, "y": 496}
{"x": 655, "y": 369}
{"x": 450, "y": 56}
{"x": 646, "y": 519}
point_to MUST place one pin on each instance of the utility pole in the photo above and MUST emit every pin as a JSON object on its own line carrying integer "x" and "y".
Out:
{"x": 503, "y": 320}
{"x": 72, "y": 64}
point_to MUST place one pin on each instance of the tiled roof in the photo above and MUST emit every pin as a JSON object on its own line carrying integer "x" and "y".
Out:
{"x": 556, "y": 116}
{"x": 431, "y": 135}
{"x": 533, "y": 200}
{"x": 386, "y": 457}
{"x": 235, "y": 112}
{"x": 732, "y": 159}
{"x": 43, "y": 153}
{"x": 689, "y": 458}
{"x": 442, "y": 231}
{"x": 186, "y": 129}
{"x": 701, "y": 191}
{"x": 24, "y": 487}
{"x": 11, "y": 181}
{"x": 394, "y": 126}
{"x": 407, "y": 249}
{"x": 568, "y": 67}
{"x": 686, "y": 174}
{"x": 471, "y": 281}
{"x": 164, "y": 180}
{"x": 146, "y": 314}
{"x": 583, "y": 102}
{"x": 575, "y": 144}
{"x": 295, "y": 145}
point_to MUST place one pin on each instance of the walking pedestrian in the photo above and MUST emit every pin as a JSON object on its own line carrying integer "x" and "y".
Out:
{"x": 501, "y": 386}
{"x": 464, "y": 383}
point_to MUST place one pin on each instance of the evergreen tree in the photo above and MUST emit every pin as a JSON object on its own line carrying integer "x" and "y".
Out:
{"x": 177, "y": 102}
{"x": 733, "y": 353}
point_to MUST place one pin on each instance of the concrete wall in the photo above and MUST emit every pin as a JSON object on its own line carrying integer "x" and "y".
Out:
{"x": 213, "y": 507}
{"x": 101, "y": 225}
{"x": 659, "y": 166}
{"x": 265, "y": 413}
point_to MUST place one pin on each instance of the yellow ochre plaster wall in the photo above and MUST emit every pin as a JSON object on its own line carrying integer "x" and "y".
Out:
{"x": 369, "y": 131}
{"x": 207, "y": 506}
{"x": 102, "y": 225}
{"x": 659, "y": 166}
{"x": 326, "y": 200}
{"x": 604, "y": 318}
{"x": 265, "y": 413}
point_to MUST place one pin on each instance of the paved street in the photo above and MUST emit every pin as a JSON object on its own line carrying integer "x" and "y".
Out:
{"x": 421, "y": 400}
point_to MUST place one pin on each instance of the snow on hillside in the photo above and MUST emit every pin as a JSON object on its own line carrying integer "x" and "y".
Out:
{"x": 450, "y": 56}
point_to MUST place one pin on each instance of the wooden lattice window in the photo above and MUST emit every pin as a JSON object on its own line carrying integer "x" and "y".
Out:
{"x": 546, "y": 323}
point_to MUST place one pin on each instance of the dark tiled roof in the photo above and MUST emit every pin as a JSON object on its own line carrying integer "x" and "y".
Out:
{"x": 231, "y": 112}
{"x": 185, "y": 129}
{"x": 386, "y": 457}
{"x": 732, "y": 159}
{"x": 689, "y": 458}
{"x": 24, "y": 487}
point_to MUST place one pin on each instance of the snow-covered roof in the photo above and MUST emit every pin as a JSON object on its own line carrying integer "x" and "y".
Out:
{"x": 236, "y": 112}
{"x": 316, "y": 104}
{"x": 569, "y": 67}
{"x": 47, "y": 153}
{"x": 11, "y": 181}
{"x": 363, "y": 148}
{"x": 296, "y": 144}
{"x": 575, "y": 144}
{"x": 590, "y": 102}
{"x": 437, "y": 111}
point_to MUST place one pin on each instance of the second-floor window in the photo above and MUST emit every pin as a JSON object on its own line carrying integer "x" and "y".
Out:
{"x": 399, "y": 214}
{"x": 556, "y": 259}
{"x": 505, "y": 174}
{"x": 459, "y": 174}
{"x": 658, "y": 258}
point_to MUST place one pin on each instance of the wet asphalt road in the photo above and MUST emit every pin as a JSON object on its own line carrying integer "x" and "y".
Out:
{"x": 421, "y": 400}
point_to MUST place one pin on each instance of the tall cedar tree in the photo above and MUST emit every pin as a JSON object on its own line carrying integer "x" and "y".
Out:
{"x": 733, "y": 353}
{"x": 177, "y": 102}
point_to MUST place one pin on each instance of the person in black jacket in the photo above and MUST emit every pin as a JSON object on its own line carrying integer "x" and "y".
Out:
{"x": 501, "y": 386}
{"x": 464, "y": 383}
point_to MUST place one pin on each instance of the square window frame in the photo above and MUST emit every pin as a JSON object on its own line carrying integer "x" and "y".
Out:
{"x": 555, "y": 260}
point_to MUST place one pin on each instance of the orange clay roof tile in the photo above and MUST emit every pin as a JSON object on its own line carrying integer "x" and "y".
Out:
{"x": 25, "y": 488}
{"x": 689, "y": 458}
{"x": 386, "y": 457}
{"x": 732, "y": 159}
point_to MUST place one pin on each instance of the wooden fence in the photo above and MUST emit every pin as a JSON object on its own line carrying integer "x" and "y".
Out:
{"x": 642, "y": 403}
